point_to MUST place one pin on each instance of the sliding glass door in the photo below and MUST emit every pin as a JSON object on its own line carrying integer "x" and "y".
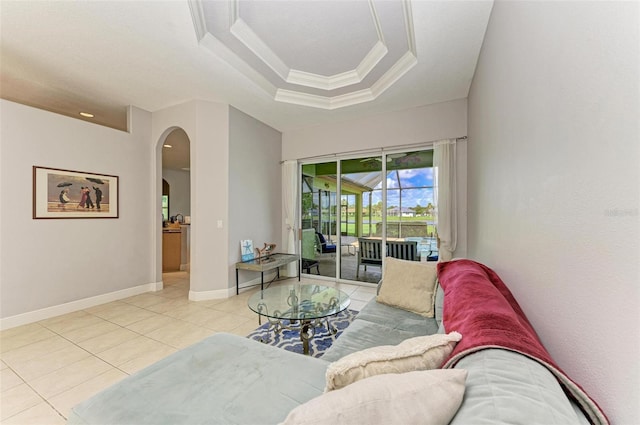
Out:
{"x": 358, "y": 179}
{"x": 353, "y": 208}
{"x": 410, "y": 208}
{"x": 320, "y": 212}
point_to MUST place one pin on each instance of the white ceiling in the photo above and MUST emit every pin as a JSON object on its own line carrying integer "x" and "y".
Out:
{"x": 342, "y": 59}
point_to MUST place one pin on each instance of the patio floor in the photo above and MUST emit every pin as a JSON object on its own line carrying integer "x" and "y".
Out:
{"x": 349, "y": 261}
{"x": 327, "y": 267}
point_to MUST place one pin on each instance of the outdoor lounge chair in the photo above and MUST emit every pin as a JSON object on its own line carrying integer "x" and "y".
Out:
{"x": 322, "y": 245}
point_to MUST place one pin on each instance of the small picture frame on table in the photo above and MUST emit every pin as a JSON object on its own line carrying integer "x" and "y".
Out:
{"x": 246, "y": 250}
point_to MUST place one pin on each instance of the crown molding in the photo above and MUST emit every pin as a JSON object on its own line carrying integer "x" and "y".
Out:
{"x": 243, "y": 32}
{"x": 214, "y": 45}
{"x": 355, "y": 76}
{"x": 401, "y": 67}
{"x": 197, "y": 16}
{"x": 370, "y": 61}
{"x": 253, "y": 42}
{"x": 258, "y": 47}
{"x": 324, "y": 102}
{"x": 404, "y": 64}
{"x": 408, "y": 24}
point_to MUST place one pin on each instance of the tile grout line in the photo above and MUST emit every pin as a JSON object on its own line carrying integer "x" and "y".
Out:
{"x": 57, "y": 333}
{"x": 178, "y": 286}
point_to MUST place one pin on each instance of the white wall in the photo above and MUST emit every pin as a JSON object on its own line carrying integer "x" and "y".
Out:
{"x": 255, "y": 195}
{"x": 46, "y": 263}
{"x": 180, "y": 191}
{"x": 417, "y": 125}
{"x": 207, "y": 126}
{"x": 553, "y": 191}
{"x": 50, "y": 267}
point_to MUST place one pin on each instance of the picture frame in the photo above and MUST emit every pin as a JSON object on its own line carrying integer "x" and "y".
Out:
{"x": 246, "y": 250}
{"x": 59, "y": 193}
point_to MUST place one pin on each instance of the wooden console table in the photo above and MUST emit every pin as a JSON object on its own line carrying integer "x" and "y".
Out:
{"x": 275, "y": 261}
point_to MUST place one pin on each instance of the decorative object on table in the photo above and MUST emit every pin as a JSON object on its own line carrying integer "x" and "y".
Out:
{"x": 246, "y": 250}
{"x": 290, "y": 339}
{"x": 263, "y": 253}
{"x": 61, "y": 193}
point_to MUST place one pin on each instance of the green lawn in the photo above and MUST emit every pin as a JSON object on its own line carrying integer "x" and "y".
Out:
{"x": 350, "y": 228}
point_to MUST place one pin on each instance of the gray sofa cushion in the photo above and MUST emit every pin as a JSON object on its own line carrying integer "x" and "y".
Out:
{"x": 395, "y": 318}
{"x": 224, "y": 379}
{"x": 379, "y": 324}
{"x": 507, "y": 387}
{"x": 363, "y": 334}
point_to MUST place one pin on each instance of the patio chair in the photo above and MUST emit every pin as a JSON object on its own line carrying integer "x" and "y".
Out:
{"x": 370, "y": 252}
{"x": 322, "y": 246}
{"x": 404, "y": 250}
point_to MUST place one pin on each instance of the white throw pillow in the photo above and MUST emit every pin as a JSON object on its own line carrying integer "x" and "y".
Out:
{"x": 408, "y": 285}
{"x": 419, "y": 353}
{"x": 423, "y": 397}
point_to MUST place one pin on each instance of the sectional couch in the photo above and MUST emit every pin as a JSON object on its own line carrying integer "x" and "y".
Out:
{"x": 227, "y": 379}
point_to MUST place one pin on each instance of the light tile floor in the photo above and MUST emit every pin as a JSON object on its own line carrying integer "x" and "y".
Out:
{"x": 48, "y": 367}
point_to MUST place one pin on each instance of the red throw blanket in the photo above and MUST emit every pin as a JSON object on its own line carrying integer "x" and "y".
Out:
{"x": 480, "y": 306}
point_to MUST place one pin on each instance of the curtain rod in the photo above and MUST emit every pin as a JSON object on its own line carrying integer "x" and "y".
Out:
{"x": 374, "y": 150}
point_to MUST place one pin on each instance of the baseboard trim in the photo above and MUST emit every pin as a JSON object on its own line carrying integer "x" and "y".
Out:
{"x": 230, "y": 292}
{"x": 211, "y": 295}
{"x": 70, "y": 307}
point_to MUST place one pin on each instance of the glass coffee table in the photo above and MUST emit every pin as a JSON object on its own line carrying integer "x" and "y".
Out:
{"x": 300, "y": 307}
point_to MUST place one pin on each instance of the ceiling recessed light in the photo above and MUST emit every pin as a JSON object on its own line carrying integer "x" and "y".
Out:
{"x": 86, "y": 114}
{"x": 167, "y": 146}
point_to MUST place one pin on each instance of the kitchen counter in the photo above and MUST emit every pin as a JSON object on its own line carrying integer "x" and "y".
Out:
{"x": 175, "y": 247}
{"x": 171, "y": 240}
{"x": 171, "y": 230}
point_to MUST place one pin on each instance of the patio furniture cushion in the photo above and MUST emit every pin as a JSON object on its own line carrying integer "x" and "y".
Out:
{"x": 323, "y": 245}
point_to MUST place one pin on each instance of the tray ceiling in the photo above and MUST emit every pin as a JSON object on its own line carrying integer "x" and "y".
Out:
{"x": 327, "y": 54}
{"x": 288, "y": 63}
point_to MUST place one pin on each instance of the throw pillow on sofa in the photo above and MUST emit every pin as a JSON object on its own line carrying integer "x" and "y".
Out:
{"x": 408, "y": 285}
{"x": 420, "y": 397}
{"x": 418, "y": 353}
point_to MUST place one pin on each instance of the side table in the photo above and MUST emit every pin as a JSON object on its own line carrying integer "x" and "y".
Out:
{"x": 275, "y": 261}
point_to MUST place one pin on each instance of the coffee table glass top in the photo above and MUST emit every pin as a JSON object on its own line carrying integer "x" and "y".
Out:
{"x": 299, "y": 301}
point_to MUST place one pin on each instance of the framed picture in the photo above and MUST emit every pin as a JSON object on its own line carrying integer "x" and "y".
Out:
{"x": 246, "y": 250}
{"x": 73, "y": 194}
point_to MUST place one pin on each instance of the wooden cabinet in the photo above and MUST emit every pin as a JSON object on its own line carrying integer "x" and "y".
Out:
{"x": 171, "y": 250}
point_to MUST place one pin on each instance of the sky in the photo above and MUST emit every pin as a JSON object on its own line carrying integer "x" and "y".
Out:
{"x": 413, "y": 178}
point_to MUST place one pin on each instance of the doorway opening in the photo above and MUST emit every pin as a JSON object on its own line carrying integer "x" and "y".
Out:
{"x": 175, "y": 206}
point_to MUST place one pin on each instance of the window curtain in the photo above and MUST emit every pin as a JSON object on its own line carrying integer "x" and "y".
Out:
{"x": 290, "y": 209}
{"x": 444, "y": 161}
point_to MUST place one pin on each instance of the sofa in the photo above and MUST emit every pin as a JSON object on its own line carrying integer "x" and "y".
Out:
{"x": 227, "y": 379}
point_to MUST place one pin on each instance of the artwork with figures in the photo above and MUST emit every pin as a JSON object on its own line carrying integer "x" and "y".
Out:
{"x": 73, "y": 194}
{"x": 246, "y": 250}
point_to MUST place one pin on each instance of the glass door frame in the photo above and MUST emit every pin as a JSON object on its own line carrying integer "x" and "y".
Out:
{"x": 338, "y": 160}
{"x": 383, "y": 153}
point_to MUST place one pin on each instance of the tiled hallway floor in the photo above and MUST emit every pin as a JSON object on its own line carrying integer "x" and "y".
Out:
{"x": 49, "y": 366}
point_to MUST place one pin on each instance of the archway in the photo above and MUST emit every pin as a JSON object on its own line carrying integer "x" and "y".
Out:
{"x": 173, "y": 205}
